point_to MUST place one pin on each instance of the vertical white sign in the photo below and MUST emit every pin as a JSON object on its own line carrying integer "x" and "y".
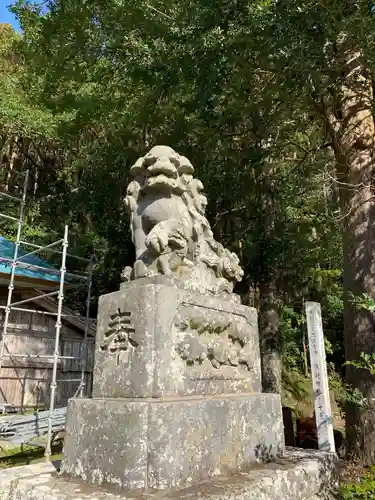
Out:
{"x": 323, "y": 413}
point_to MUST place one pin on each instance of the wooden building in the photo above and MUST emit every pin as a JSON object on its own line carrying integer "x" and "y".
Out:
{"x": 25, "y": 379}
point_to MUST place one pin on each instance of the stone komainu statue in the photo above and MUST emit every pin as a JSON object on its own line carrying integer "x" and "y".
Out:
{"x": 169, "y": 229}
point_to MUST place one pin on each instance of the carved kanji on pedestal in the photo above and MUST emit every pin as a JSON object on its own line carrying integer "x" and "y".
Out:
{"x": 119, "y": 335}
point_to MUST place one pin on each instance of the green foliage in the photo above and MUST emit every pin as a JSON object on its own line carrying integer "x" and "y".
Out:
{"x": 18, "y": 113}
{"x": 105, "y": 74}
{"x": 363, "y": 489}
{"x": 296, "y": 388}
{"x": 366, "y": 362}
{"x": 362, "y": 302}
{"x": 232, "y": 85}
{"x": 344, "y": 394}
{"x": 291, "y": 327}
{"x": 324, "y": 286}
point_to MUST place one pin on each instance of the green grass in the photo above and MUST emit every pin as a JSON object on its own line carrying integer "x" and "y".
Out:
{"x": 26, "y": 455}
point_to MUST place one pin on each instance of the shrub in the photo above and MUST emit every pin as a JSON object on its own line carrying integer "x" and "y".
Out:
{"x": 362, "y": 489}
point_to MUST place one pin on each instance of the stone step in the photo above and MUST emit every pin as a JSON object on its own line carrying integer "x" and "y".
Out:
{"x": 299, "y": 475}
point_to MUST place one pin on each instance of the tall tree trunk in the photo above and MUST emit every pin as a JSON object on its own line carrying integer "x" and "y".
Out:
{"x": 268, "y": 297}
{"x": 269, "y": 337}
{"x": 354, "y": 151}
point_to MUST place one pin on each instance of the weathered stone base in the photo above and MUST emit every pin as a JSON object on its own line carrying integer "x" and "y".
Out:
{"x": 166, "y": 443}
{"x": 300, "y": 475}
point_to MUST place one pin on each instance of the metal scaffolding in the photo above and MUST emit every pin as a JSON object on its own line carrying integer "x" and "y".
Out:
{"x": 14, "y": 306}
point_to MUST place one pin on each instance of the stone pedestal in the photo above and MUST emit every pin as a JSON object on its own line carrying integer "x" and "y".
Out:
{"x": 177, "y": 391}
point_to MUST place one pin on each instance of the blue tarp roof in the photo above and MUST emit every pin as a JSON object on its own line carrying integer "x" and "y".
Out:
{"x": 7, "y": 251}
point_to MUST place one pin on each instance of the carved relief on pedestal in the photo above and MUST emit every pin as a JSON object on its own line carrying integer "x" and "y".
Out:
{"x": 212, "y": 340}
{"x": 120, "y": 333}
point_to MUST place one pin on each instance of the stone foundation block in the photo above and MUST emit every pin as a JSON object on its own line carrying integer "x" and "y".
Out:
{"x": 155, "y": 339}
{"x": 166, "y": 443}
{"x": 299, "y": 475}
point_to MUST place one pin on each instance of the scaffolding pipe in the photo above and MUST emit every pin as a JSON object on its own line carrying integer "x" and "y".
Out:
{"x": 46, "y": 313}
{"x": 41, "y": 268}
{"x": 69, "y": 380}
{"x": 32, "y": 299}
{"x": 84, "y": 349}
{"x": 54, "y": 251}
{"x": 43, "y": 356}
{"x": 8, "y": 217}
{"x": 63, "y": 274}
{"x": 47, "y": 453}
{"x": 33, "y": 252}
{"x": 11, "y": 197}
{"x": 13, "y": 268}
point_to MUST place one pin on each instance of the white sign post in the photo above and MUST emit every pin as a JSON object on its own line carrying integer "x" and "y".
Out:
{"x": 323, "y": 413}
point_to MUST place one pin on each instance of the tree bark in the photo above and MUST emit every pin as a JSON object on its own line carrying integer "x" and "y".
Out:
{"x": 353, "y": 144}
{"x": 269, "y": 319}
{"x": 269, "y": 337}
